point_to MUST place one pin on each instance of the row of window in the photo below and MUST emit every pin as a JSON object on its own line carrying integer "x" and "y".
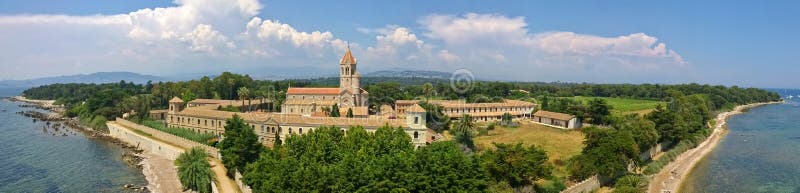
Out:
{"x": 264, "y": 128}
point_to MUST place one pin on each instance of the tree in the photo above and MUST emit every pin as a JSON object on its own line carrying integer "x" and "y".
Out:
{"x": 664, "y": 121}
{"x": 427, "y": 88}
{"x": 643, "y": 130}
{"x": 334, "y": 110}
{"x": 506, "y": 119}
{"x": 239, "y": 145}
{"x": 599, "y": 111}
{"x": 516, "y": 164}
{"x": 434, "y": 118}
{"x": 326, "y": 160}
{"x": 464, "y": 131}
{"x": 194, "y": 171}
{"x": 188, "y": 95}
{"x": 608, "y": 152}
{"x": 243, "y": 93}
{"x": 349, "y": 112}
{"x": 630, "y": 183}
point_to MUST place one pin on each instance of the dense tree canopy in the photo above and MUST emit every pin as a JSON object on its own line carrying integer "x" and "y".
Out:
{"x": 326, "y": 160}
{"x": 516, "y": 164}
{"x": 239, "y": 145}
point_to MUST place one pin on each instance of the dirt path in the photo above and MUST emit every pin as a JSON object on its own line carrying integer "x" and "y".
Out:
{"x": 224, "y": 183}
{"x": 668, "y": 180}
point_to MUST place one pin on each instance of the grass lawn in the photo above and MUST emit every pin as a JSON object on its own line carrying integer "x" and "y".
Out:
{"x": 559, "y": 144}
{"x": 623, "y": 106}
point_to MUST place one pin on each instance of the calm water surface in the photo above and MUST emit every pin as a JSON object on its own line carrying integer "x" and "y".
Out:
{"x": 761, "y": 153}
{"x": 34, "y": 160}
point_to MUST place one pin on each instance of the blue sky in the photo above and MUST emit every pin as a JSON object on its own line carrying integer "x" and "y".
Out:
{"x": 715, "y": 42}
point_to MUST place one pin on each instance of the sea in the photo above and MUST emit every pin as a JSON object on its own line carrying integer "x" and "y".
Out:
{"x": 36, "y": 158}
{"x": 761, "y": 152}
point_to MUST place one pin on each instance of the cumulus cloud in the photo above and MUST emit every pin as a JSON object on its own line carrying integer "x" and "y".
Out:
{"x": 161, "y": 40}
{"x": 213, "y": 35}
{"x": 490, "y": 43}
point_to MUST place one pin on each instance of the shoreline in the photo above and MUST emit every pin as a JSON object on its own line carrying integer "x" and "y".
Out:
{"x": 670, "y": 178}
{"x": 150, "y": 165}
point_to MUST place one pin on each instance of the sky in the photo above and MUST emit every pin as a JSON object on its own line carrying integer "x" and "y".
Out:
{"x": 745, "y": 43}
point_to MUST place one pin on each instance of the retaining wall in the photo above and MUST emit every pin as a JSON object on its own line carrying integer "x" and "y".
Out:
{"x": 170, "y": 138}
{"x": 142, "y": 142}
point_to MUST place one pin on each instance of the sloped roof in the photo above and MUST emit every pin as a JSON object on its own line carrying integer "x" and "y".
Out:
{"x": 291, "y": 119}
{"x": 325, "y": 103}
{"x": 416, "y": 109}
{"x": 348, "y": 57}
{"x": 357, "y": 111}
{"x": 553, "y": 115}
{"x": 314, "y": 91}
{"x": 175, "y": 100}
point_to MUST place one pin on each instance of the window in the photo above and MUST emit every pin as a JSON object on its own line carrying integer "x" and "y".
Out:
{"x": 300, "y": 130}
{"x": 290, "y": 130}
{"x": 416, "y": 135}
{"x": 416, "y": 120}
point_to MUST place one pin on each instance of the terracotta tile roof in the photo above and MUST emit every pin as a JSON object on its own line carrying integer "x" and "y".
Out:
{"x": 486, "y": 114}
{"x": 416, "y": 109}
{"x": 175, "y": 100}
{"x": 464, "y": 104}
{"x": 348, "y": 57}
{"x": 313, "y": 91}
{"x": 553, "y": 115}
{"x": 357, "y": 111}
{"x": 291, "y": 119}
{"x": 327, "y": 102}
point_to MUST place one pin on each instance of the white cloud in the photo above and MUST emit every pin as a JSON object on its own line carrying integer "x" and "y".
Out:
{"x": 210, "y": 35}
{"x": 200, "y": 33}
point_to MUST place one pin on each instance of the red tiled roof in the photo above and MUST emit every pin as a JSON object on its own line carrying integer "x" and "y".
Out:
{"x": 348, "y": 57}
{"x": 312, "y": 91}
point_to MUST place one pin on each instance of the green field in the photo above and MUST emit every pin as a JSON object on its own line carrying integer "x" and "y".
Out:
{"x": 623, "y": 106}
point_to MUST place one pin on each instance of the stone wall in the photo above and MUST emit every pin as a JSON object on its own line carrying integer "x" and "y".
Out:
{"x": 653, "y": 151}
{"x": 142, "y": 142}
{"x": 243, "y": 187}
{"x": 585, "y": 186}
{"x": 169, "y": 138}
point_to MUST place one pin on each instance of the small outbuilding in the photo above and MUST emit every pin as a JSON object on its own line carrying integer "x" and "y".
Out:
{"x": 554, "y": 119}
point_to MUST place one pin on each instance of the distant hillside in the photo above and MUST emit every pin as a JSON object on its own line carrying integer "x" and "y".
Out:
{"x": 410, "y": 74}
{"x": 99, "y": 77}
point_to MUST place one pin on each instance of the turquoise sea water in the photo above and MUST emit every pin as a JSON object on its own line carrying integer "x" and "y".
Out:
{"x": 33, "y": 159}
{"x": 761, "y": 153}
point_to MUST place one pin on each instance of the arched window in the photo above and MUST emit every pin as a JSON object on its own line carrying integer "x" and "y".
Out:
{"x": 300, "y": 130}
{"x": 416, "y": 135}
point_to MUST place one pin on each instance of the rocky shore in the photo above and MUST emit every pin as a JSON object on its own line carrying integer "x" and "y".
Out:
{"x": 57, "y": 125}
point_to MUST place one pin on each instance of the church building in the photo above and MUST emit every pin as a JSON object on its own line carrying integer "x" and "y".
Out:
{"x": 349, "y": 95}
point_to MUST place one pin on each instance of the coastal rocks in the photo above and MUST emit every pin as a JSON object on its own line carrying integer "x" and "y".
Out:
{"x": 135, "y": 188}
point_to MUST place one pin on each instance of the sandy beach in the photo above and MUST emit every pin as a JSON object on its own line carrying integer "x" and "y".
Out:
{"x": 670, "y": 177}
{"x": 161, "y": 174}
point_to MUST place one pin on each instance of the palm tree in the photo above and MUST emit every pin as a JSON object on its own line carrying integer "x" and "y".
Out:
{"x": 464, "y": 130}
{"x": 244, "y": 93}
{"x": 427, "y": 88}
{"x": 194, "y": 171}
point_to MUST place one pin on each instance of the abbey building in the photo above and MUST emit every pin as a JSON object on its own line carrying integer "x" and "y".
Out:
{"x": 349, "y": 95}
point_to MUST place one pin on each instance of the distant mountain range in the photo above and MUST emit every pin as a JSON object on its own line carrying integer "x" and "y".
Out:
{"x": 108, "y": 77}
{"x": 410, "y": 74}
{"x": 99, "y": 77}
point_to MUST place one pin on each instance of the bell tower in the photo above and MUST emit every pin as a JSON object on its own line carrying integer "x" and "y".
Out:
{"x": 348, "y": 76}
